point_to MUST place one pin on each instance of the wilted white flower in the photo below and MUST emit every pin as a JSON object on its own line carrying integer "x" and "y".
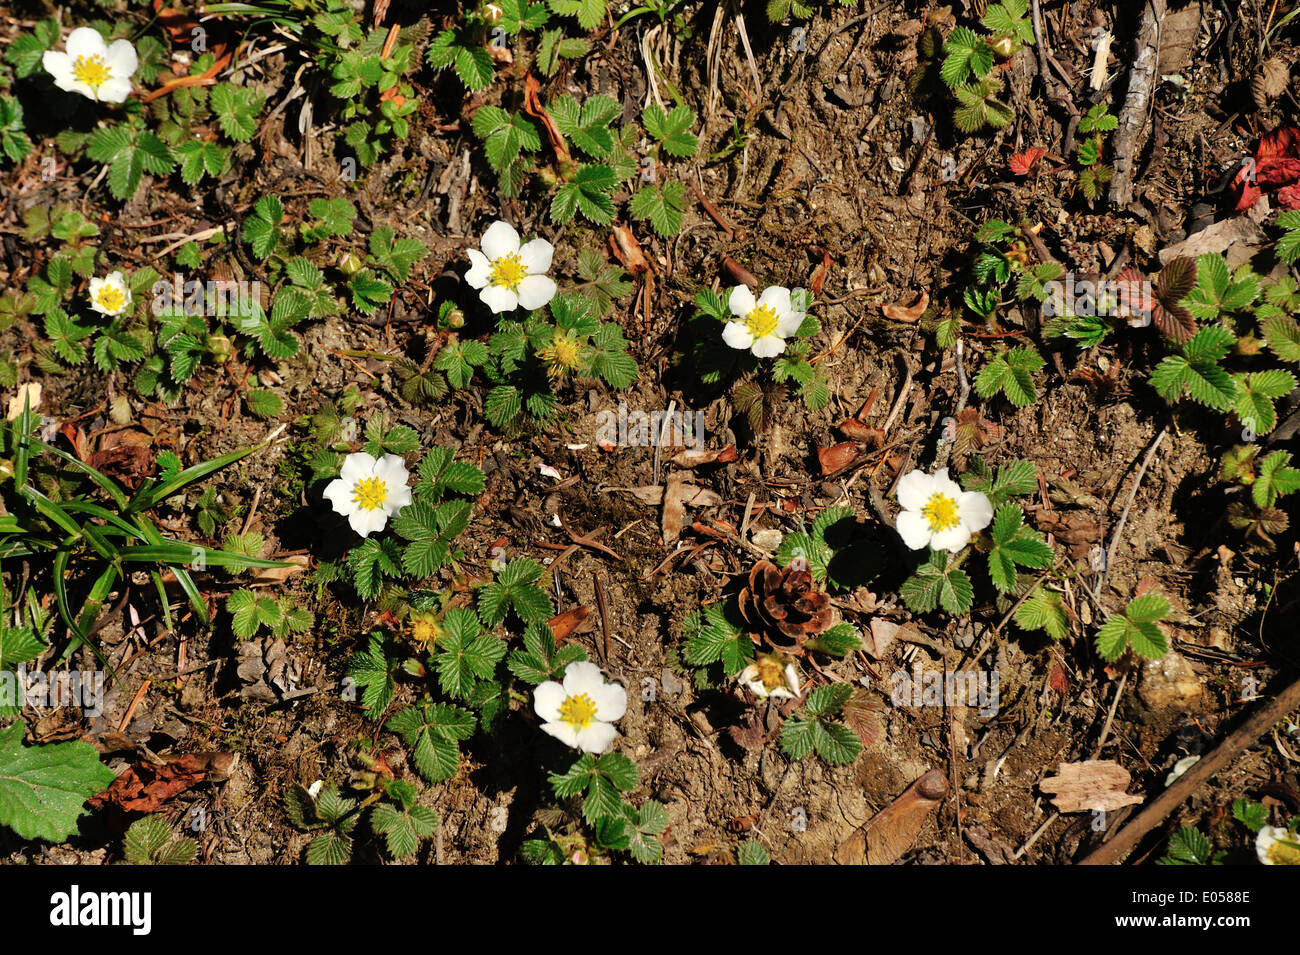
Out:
{"x": 761, "y": 326}
{"x": 110, "y": 295}
{"x": 1180, "y": 767}
{"x": 579, "y": 712}
{"x": 938, "y": 513}
{"x": 1277, "y": 846}
{"x": 509, "y": 274}
{"x": 93, "y": 68}
{"x": 766, "y": 676}
{"x": 368, "y": 491}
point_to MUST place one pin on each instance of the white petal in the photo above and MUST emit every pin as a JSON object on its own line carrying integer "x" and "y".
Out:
{"x": 398, "y": 498}
{"x": 741, "y": 301}
{"x": 59, "y": 66}
{"x": 85, "y": 41}
{"x": 480, "y": 269}
{"x": 788, "y": 324}
{"x": 596, "y": 737}
{"x": 536, "y": 290}
{"x": 121, "y": 59}
{"x": 975, "y": 510}
{"x": 582, "y": 677}
{"x": 546, "y": 701}
{"x": 356, "y": 466}
{"x": 391, "y": 469}
{"x": 565, "y": 733}
{"x": 1264, "y": 841}
{"x": 777, "y": 297}
{"x": 756, "y": 687}
{"x": 500, "y": 239}
{"x": 769, "y": 346}
{"x": 737, "y": 335}
{"x": 946, "y": 485}
{"x": 792, "y": 678}
{"x": 114, "y": 91}
{"x": 499, "y": 299}
{"x": 914, "y": 490}
{"x": 913, "y": 528}
{"x": 536, "y": 256}
{"x": 610, "y": 700}
{"x": 366, "y": 522}
{"x": 952, "y": 540}
{"x": 339, "y": 494}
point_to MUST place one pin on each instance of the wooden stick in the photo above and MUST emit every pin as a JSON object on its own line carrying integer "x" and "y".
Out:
{"x": 1137, "y": 103}
{"x": 1116, "y": 849}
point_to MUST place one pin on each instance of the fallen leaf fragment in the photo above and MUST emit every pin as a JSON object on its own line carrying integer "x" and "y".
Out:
{"x": 677, "y": 497}
{"x": 569, "y": 622}
{"x": 146, "y": 786}
{"x": 1093, "y": 784}
{"x": 908, "y": 313}
{"x": 30, "y": 392}
{"x": 891, "y": 832}
{"x": 691, "y": 459}
{"x": 837, "y": 456}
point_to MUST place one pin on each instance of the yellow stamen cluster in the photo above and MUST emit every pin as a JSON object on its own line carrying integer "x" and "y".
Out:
{"x": 941, "y": 512}
{"x": 564, "y": 354}
{"x": 1284, "y": 852}
{"x": 110, "y": 299}
{"x": 762, "y": 321}
{"x": 370, "y": 493}
{"x": 508, "y": 271}
{"x": 91, "y": 70}
{"x": 578, "y": 711}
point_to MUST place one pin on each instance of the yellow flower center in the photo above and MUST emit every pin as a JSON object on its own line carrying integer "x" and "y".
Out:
{"x": 1283, "y": 852}
{"x": 770, "y": 672}
{"x": 762, "y": 321}
{"x": 370, "y": 493}
{"x": 91, "y": 70}
{"x": 941, "y": 512}
{"x": 110, "y": 299}
{"x": 425, "y": 630}
{"x": 563, "y": 354}
{"x": 578, "y": 711}
{"x": 508, "y": 271}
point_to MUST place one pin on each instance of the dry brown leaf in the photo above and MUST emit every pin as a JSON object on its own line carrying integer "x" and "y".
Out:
{"x": 891, "y": 832}
{"x": 837, "y": 456}
{"x": 625, "y": 248}
{"x": 692, "y": 458}
{"x": 1093, "y": 784}
{"x": 29, "y": 395}
{"x": 277, "y": 575}
{"x": 1237, "y": 239}
{"x": 908, "y": 313}
{"x": 569, "y": 622}
{"x": 146, "y": 786}
{"x": 883, "y": 633}
{"x": 677, "y": 497}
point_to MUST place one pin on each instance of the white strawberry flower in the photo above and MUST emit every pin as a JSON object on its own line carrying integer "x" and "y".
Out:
{"x": 508, "y": 274}
{"x": 368, "y": 491}
{"x": 938, "y": 513}
{"x": 768, "y": 676}
{"x": 95, "y": 69}
{"x": 1277, "y": 846}
{"x": 761, "y": 326}
{"x": 580, "y": 711}
{"x": 110, "y": 295}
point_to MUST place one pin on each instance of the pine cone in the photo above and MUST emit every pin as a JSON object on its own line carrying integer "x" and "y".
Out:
{"x": 785, "y": 605}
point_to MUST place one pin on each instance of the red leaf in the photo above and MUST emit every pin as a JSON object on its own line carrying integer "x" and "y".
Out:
{"x": 1022, "y": 163}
